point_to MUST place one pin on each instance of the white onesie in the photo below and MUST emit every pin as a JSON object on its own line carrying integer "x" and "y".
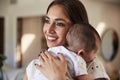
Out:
{"x": 76, "y": 65}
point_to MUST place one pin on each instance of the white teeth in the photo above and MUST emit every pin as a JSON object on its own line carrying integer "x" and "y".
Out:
{"x": 51, "y": 38}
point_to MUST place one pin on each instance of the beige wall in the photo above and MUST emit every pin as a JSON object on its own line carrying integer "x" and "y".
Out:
{"x": 31, "y": 39}
{"x": 23, "y": 8}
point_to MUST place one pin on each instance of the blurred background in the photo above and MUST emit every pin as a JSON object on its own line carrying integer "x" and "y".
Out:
{"x": 22, "y": 38}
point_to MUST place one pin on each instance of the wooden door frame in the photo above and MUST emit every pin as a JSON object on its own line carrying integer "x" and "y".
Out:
{"x": 19, "y": 35}
{"x": 2, "y": 35}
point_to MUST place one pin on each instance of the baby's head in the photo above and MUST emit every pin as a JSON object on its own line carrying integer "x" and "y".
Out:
{"x": 81, "y": 38}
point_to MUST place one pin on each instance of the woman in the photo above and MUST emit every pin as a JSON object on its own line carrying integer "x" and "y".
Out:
{"x": 60, "y": 16}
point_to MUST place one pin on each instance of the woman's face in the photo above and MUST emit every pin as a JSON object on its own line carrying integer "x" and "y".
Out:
{"x": 56, "y": 26}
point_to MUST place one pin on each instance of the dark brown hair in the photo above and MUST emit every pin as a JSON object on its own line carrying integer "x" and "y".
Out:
{"x": 81, "y": 36}
{"x": 74, "y": 9}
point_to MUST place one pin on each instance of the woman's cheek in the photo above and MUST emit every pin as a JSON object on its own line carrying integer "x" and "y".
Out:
{"x": 44, "y": 30}
{"x": 63, "y": 36}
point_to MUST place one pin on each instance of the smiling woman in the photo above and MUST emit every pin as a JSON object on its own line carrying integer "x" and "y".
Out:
{"x": 58, "y": 25}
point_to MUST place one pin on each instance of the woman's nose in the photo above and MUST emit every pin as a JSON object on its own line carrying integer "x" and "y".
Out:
{"x": 51, "y": 29}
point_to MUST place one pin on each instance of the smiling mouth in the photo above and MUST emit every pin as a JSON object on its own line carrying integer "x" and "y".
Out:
{"x": 51, "y": 38}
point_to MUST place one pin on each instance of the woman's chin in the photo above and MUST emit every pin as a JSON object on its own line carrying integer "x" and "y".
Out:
{"x": 51, "y": 45}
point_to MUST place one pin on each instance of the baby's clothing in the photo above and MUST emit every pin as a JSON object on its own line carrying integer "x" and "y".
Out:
{"x": 96, "y": 70}
{"x": 76, "y": 65}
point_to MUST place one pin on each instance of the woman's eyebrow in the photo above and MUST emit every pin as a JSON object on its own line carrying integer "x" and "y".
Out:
{"x": 57, "y": 19}
{"x": 46, "y": 17}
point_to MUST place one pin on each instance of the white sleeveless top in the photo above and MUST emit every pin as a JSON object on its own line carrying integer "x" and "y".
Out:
{"x": 96, "y": 70}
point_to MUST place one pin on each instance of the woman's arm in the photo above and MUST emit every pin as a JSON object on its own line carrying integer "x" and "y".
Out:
{"x": 53, "y": 68}
{"x": 25, "y": 76}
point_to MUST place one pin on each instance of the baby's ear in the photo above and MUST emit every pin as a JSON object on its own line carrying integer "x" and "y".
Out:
{"x": 81, "y": 52}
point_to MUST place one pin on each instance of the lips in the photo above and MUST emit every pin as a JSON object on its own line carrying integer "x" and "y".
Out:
{"x": 51, "y": 38}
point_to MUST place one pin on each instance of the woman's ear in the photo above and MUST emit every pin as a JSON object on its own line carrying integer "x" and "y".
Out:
{"x": 81, "y": 52}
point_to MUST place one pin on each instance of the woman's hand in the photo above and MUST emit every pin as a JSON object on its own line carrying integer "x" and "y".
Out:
{"x": 54, "y": 68}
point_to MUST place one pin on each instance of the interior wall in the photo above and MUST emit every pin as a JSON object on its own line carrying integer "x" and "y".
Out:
{"x": 31, "y": 39}
{"x": 22, "y": 8}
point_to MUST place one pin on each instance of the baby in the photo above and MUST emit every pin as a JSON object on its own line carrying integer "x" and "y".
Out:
{"x": 80, "y": 41}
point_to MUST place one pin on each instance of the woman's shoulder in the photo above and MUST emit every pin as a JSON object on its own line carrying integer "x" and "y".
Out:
{"x": 32, "y": 64}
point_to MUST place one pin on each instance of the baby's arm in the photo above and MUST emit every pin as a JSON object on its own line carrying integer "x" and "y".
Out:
{"x": 84, "y": 77}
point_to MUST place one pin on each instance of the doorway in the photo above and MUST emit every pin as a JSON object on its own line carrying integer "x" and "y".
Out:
{"x": 2, "y": 35}
{"x": 29, "y": 34}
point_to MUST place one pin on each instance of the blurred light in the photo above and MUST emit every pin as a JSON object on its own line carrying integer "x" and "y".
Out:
{"x": 27, "y": 39}
{"x": 101, "y": 27}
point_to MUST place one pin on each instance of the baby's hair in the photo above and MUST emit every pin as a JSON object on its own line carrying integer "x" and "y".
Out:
{"x": 81, "y": 36}
{"x": 97, "y": 39}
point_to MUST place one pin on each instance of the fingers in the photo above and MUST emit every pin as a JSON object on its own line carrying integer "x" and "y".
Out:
{"x": 49, "y": 55}
{"x": 61, "y": 57}
{"x": 43, "y": 57}
{"x": 46, "y": 56}
{"x": 39, "y": 67}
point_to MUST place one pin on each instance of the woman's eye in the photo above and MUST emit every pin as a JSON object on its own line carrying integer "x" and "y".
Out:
{"x": 47, "y": 21}
{"x": 60, "y": 24}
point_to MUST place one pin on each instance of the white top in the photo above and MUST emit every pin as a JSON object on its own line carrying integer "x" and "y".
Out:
{"x": 76, "y": 65}
{"x": 96, "y": 70}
